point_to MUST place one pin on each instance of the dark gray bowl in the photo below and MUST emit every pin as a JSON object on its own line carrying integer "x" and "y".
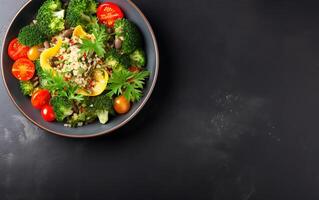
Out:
{"x": 25, "y": 16}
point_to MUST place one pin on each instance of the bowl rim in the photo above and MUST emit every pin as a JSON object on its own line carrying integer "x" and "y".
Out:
{"x": 129, "y": 118}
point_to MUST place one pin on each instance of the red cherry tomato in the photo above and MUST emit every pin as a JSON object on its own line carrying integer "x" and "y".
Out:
{"x": 23, "y": 69}
{"x": 108, "y": 13}
{"x": 40, "y": 98}
{"x": 47, "y": 113}
{"x": 121, "y": 105}
{"x": 17, "y": 50}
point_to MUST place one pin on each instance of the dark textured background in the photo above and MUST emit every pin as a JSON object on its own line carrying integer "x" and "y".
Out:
{"x": 234, "y": 115}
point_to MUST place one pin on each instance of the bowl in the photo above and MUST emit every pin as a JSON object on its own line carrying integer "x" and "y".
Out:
{"x": 23, "y": 17}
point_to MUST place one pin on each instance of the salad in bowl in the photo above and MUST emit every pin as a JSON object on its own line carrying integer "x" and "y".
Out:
{"x": 80, "y": 62}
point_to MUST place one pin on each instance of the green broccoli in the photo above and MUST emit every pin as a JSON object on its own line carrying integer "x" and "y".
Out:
{"x": 79, "y": 119}
{"x": 81, "y": 12}
{"x": 30, "y": 35}
{"x": 62, "y": 107}
{"x": 138, "y": 58}
{"x": 50, "y": 17}
{"x": 112, "y": 58}
{"x": 102, "y": 106}
{"x": 26, "y": 87}
{"x": 128, "y": 32}
{"x": 125, "y": 61}
{"x": 38, "y": 67}
{"x": 117, "y": 61}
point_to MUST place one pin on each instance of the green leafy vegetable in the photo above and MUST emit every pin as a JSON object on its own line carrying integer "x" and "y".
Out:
{"x": 26, "y": 87}
{"x": 79, "y": 119}
{"x": 81, "y": 12}
{"x": 125, "y": 61}
{"x": 128, "y": 83}
{"x": 62, "y": 107}
{"x": 97, "y": 45}
{"x": 138, "y": 58}
{"x": 117, "y": 61}
{"x": 30, "y": 35}
{"x": 128, "y": 32}
{"x": 55, "y": 83}
{"x": 50, "y": 17}
{"x": 101, "y": 105}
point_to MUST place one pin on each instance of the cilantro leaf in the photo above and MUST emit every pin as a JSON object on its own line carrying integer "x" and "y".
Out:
{"x": 55, "y": 83}
{"x": 96, "y": 45}
{"x": 128, "y": 83}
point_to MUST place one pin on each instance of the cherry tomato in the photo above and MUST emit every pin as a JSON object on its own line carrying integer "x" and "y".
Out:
{"x": 108, "y": 13}
{"x": 40, "y": 98}
{"x": 134, "y": 69}
{"x": 23, "y": 69}
{"x": 33, "y": 53}
{"x": 17, "y": 50}
{"x": 121, "y": 105}
{"x": 47, "y": 113}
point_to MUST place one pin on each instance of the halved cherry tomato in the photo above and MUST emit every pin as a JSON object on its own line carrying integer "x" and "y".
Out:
{"x": 121, "y": 105}
{"x": 47, "y": 113}
{"x": 40, "y": 98}
{"x": 23, "y": 69}
{"x": 108, "y": 13}
{"x": 17, "y": 50}
{"x": 34, "y": 53}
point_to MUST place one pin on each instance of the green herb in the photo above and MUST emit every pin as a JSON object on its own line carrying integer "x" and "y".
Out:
{"x": 97, "y": 45}
{"x": 128, "y": 83}
{"x": 55, "y": 83}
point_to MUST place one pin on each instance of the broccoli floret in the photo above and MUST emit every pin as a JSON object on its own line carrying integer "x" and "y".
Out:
{"x": 85, "y": 114}
{"x": 50, "y": 18}
{"x": 62, "y": 107}
{"x": 112, "y": 58}
{"x": 138, "y": 58}
{"x": 81, "y": 12}
{"x": 116, "y": 61}
{"x": 102, "y": 106}
{"x": 125, "y": 61}
{"x": 128, "y": 32}
{"x": 30, "y": 35}
{"x": 79, "y": 119}
{"x": 26, "y": 87}
{"x": 38, "y": 67}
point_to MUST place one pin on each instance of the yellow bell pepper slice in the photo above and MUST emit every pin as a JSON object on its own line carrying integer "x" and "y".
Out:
{"x": 101, "y": 77}
{"x": 80, "y": 33}
{"x": 47, "y": 54}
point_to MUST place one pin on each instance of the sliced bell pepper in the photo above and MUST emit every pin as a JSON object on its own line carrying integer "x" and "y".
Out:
{"x": 80, "y": 33}
{"x": 47, "y": 54}
{"x": 101, "y": 77}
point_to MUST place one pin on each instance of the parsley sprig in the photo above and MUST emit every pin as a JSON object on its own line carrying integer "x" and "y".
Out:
{"x": 55, "y": 83}
{"x": 130, "y": 84}
{"x": 96, "y": 45}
